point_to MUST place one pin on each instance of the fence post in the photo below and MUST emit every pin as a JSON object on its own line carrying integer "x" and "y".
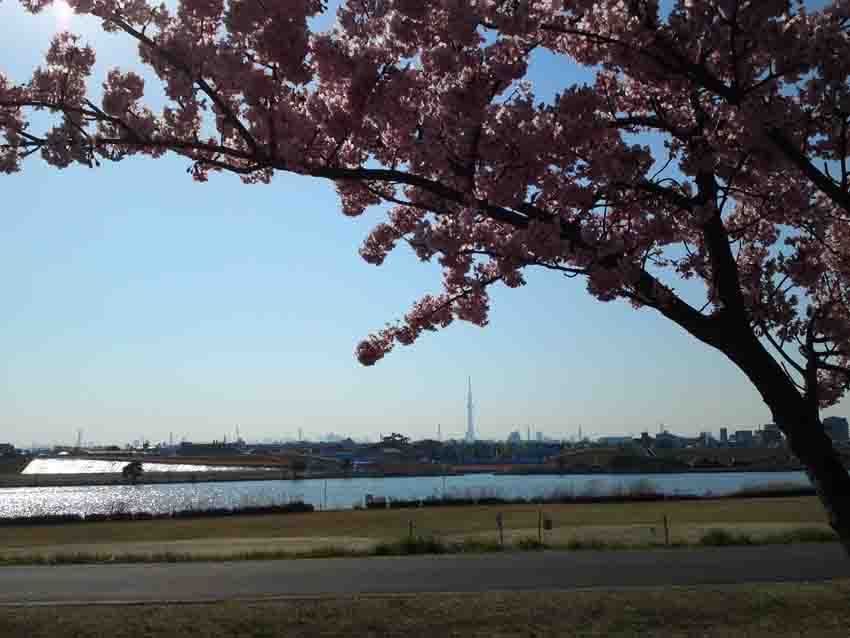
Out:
{"x": 499, "y": 524}
{"x": 540, "y": 526}
{"x": 666, "y": 530}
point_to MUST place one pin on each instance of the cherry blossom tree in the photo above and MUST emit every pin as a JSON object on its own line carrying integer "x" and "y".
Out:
{"x": 425, "y": 106}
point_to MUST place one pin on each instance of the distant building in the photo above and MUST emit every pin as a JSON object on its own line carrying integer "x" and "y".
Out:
{"x": 470, "y": 422}
{"x": 7, "y": 449}
{"x": 395, "y": 440}
{"x": 724, "y": 436}
{"x": 208, "y": 449}
{"x": 515, "y": 437}
{"x": 744, "y": 438}
{"x": 706, "y": 440}
{"x": 667, "y": 441}
{"x": 771, "y": 435}
{"x": 837, "y": 428}
{"x": 614, "y": 441}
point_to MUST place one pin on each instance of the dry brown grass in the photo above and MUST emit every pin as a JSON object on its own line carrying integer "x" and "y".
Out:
{"x": 763, "y": 611}
{"x": 689, "y": 517}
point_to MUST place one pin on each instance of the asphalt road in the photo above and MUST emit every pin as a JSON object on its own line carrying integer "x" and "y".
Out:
{"x": 453, "y": 573}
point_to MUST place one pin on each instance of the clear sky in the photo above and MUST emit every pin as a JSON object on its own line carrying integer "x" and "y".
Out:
{"x": 137, "y": 302}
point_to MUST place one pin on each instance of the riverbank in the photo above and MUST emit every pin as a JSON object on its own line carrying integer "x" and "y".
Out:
{"x": 755, "y": 611}
{"x": 122, "y": 516}
{"x": 591, "y": 525}
{"x": 12, "y": 465}
{"x": 639, "y": 492}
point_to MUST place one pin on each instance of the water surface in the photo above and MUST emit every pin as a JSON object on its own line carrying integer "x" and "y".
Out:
{"x": 347, "y": 493}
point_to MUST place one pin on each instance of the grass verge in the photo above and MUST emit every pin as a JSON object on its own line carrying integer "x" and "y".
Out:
{"x": 419, "y": 546}
{"x": 724, "y": 538}
{"x": 752, "y": 611}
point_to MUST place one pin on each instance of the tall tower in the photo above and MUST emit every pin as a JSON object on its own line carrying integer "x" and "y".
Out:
{"x": 470, "y": 424}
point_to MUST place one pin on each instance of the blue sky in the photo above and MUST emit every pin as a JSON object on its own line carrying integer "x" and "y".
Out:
{"x": 137, "y": 302}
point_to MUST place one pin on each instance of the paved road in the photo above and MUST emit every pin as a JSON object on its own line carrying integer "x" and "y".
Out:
{"x": 515, "y": 571}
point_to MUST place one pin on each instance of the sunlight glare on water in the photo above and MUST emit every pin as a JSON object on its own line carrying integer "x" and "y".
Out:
{"x": 345, "y": 493}
{"x": 89, "y": 466}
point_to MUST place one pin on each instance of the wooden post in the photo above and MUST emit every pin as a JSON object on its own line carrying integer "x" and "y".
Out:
{"x": 410, "y": 527}
{"x": 540, "y": 526}
{"x": 666, "y": 530}
{"x": 499, "y": 524}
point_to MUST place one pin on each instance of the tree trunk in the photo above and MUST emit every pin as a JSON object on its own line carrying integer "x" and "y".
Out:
{"x": 798, "y": 421}
{"x": 827, "y": 473}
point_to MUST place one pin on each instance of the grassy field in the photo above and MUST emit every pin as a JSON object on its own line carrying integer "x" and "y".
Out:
{"x": 294, "y": 549}
{"x": 629, "y": 523}
{"x": 710, "y": 612}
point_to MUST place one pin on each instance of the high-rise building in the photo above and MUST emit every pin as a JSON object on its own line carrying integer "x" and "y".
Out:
{"x": 724, "y": 436}
{"x": 470, "y": 425}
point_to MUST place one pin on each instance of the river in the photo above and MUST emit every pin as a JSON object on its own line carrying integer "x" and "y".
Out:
{"x": 351, "y": 492}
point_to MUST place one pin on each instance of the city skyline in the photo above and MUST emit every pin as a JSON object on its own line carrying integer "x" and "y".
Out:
{"x": 78, "y": 437}
{"x": 531, "y": 435}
